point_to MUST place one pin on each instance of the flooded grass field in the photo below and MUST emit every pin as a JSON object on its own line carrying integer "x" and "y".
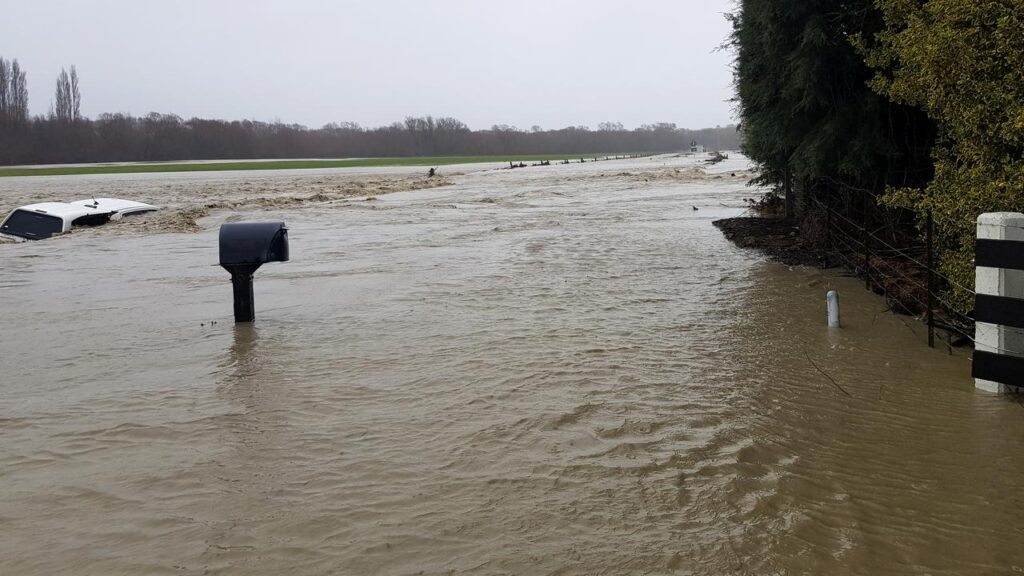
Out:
{"x": 554, "y": 370}
{"x": 297, "y": 164}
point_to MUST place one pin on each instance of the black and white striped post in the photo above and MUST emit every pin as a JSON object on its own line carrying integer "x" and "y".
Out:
{"x": 999, "y": 304}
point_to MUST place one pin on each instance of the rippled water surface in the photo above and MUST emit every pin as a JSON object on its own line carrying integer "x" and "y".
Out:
{"x": 561, "y": 370}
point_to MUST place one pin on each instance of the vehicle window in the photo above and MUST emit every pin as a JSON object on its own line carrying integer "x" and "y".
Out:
{"x": 91, "y": 219}
{"x": 32, "y": 225}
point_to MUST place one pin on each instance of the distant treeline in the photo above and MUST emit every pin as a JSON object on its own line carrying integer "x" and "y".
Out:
{"x": 157, "y": 137}
{"x": 64, "y": 136}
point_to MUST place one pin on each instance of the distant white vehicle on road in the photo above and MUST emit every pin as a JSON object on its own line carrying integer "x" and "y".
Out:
{"x": 38, "y": 221}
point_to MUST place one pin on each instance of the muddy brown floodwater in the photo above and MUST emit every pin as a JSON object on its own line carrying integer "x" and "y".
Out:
{"x": 560, "y": 369}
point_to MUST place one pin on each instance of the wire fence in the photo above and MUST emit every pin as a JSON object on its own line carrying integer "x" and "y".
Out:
{"x": 905, "y": 275}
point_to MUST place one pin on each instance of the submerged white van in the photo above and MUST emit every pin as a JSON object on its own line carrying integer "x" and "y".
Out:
{"x": 38, "y": 221}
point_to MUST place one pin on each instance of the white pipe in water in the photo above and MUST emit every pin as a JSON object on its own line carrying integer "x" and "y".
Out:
{"x": 832, "y": 298}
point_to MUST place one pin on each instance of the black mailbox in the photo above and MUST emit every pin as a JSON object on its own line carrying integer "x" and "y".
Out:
{"x": 244, "y": 247}
{"x": 253, "y": 243}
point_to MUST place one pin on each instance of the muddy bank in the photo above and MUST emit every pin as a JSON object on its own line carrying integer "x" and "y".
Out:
{"x": 778, "y": 238}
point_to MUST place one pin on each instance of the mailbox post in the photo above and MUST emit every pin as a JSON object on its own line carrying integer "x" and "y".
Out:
{"x": 244, "y": 247}
{"x": 241, "y": 283}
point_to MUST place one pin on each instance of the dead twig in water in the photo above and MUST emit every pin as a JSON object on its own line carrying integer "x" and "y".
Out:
{"x": 825, "y": 374}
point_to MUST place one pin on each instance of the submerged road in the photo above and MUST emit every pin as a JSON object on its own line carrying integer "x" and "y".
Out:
{"x": 560, "y": 369}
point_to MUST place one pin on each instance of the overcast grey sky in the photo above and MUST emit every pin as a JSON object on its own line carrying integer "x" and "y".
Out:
{"x": 552, "y": 63}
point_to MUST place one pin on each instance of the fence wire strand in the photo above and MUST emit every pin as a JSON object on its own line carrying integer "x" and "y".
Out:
{"x": 902, "y": 252}
{"x": 946, "y": 317}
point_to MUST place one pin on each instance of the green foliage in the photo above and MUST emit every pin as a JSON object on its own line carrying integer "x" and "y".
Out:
{"x": 962, "y": 61}
{"x": 804, "y": 102}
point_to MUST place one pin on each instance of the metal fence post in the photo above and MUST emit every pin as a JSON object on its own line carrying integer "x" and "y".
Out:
{"x": 828, "y": 229}
{"x": 867, "y": 246}
{"x": 929, "y": 262}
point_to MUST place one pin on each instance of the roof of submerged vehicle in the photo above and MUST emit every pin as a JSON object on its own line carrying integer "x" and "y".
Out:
{"x": 90, "y": 212}
{"x": 113, "y": 205}
{"x": 59, "y": 209}
{"x": 80, "y": 208}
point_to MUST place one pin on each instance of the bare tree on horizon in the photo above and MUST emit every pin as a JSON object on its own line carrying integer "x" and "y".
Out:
{"x": 5, "y": 90}
{"x": 13, "y": 93}
{"x": 67, "y": 96}
{"x": 19, "y": 94}
{"x": 76, "y": 96}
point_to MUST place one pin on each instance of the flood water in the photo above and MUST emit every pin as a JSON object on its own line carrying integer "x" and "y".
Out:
{"x": 552, "y": 370}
